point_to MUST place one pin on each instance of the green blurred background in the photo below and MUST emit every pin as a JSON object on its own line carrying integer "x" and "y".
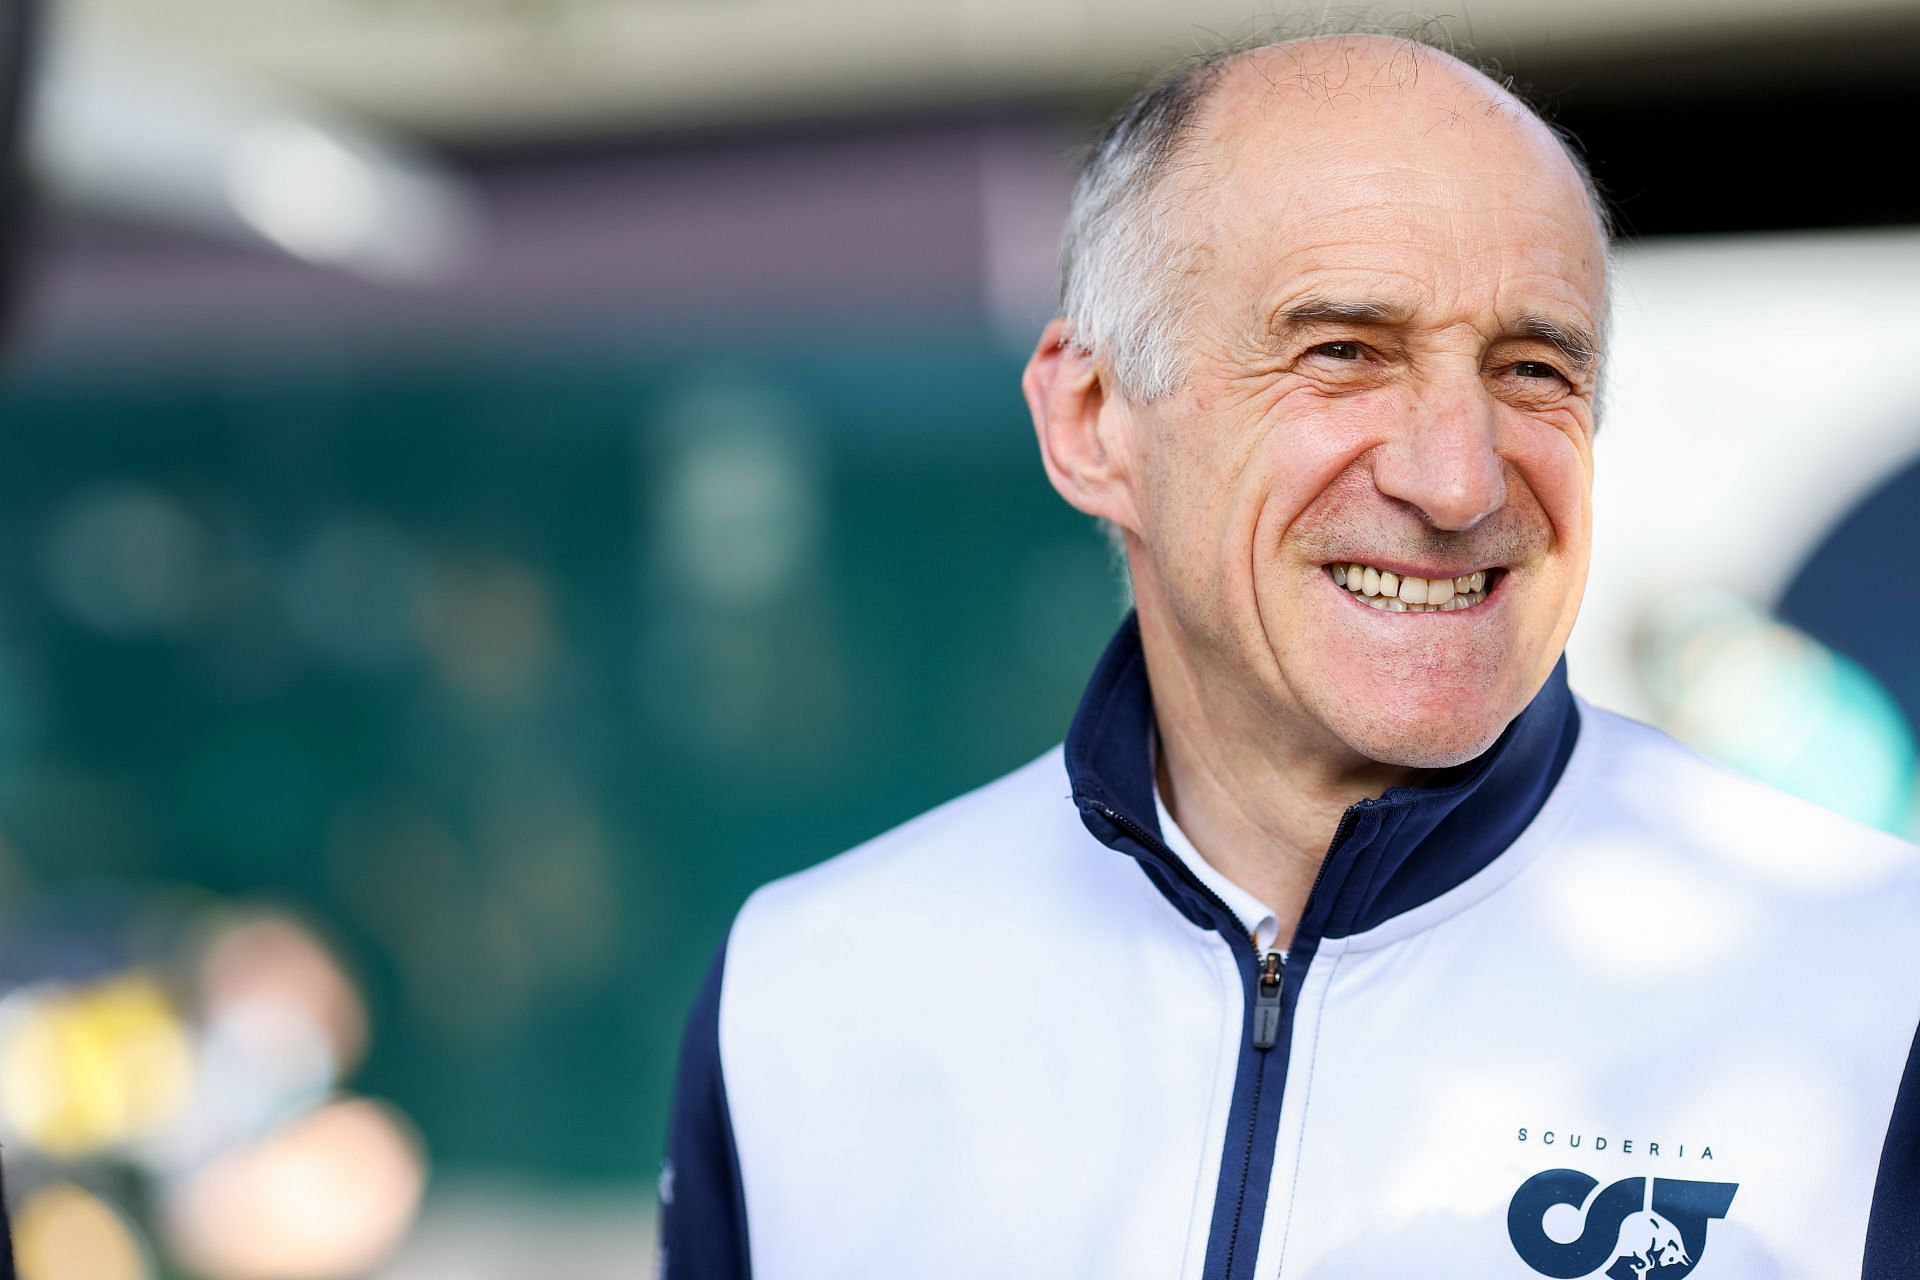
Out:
{"x": 519, "y": 672}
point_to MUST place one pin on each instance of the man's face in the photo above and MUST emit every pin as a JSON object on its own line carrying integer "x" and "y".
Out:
{"x": 1385, "y": 368}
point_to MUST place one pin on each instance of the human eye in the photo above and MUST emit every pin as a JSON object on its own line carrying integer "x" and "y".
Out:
{"x": 1343, "y": 351}
{"x": 1534, "y": 384}
{"x": 1342, "y": 365}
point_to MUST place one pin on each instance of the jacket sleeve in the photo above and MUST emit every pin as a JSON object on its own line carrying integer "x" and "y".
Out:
{"x": 6, "y": 1236}
{"x": 703, "y": 1212}
{"x": 1893, "y": 1227}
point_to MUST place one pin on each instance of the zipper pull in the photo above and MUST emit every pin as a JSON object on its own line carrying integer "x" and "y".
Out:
{"x": 1266, "y": 1003}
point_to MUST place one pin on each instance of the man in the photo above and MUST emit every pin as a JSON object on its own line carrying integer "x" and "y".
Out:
{"x": 1338, "y": 941}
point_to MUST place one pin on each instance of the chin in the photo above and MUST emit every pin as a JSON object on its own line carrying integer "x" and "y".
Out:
{"x": 1422, "y": 738}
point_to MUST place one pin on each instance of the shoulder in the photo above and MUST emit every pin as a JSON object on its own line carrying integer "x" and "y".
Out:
{"x": 1015, "y": 830}
{"x": 962, "y": 917}
{"x": 1001, "y": 883}
{"x": 1639, "y": 785}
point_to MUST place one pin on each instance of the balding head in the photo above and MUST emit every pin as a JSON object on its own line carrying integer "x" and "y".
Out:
{"x": 1140, "y": 214}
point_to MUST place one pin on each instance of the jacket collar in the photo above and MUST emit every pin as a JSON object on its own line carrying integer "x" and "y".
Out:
{"x": 1393, "y": 852}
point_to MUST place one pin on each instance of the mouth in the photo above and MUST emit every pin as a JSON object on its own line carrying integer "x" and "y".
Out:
{"x": 1404, "y": 593}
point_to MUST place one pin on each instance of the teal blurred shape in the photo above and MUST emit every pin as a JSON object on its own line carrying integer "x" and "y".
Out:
{"x": 1771, "y": 701}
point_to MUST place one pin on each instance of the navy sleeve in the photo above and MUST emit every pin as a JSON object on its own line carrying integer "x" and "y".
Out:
{"x": 6, "y": 1236}
{"x": 703, "y": 1211}
{"x": 1893, "y": 1226}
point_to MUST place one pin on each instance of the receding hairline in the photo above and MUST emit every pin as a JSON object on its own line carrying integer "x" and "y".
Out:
{"x": 1389, "y": 61}
{"x": 1399, "y": 55}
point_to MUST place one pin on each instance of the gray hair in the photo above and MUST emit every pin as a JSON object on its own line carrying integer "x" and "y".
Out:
{"x": 1122, "y": 262}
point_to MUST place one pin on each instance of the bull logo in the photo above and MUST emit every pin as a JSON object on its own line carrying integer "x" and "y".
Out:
{"x": 1635, "y": 1229}
{"x": 1647, "y": 1241}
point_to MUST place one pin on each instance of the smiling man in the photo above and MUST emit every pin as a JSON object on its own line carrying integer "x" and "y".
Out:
{"x": 1338, "y": 940}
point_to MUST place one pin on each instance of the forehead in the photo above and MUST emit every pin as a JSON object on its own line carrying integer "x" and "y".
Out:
{"x": 1442, "y": 192}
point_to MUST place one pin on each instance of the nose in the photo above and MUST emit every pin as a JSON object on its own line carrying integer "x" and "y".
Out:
{"x": 1442, "y": 460}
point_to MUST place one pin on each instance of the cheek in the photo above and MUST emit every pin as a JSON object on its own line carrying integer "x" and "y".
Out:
{"x": 1305, "y": 461}
{"x": 1557, "y": 468}
{"x": 1188, "y": 498}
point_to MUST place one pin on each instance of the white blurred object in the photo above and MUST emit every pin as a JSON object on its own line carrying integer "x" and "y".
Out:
{"x": 327, "y": 1197}
{"x": 280, "y": 1024}
{"x": 532, "y": 67}
{"x": 1760, "y": 386}
{"x": 126, "y": 132}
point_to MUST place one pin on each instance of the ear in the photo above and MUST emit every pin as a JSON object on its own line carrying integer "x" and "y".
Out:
{"x": 1078, "y": 425}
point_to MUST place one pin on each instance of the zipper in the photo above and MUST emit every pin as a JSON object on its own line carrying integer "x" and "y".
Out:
{"x": 1194, "y": 882}
{"x": 1266, "y": 1002}
{"x": 1185, "y": 872}
{"x": 1269, "y": 979}
{"x": 1341, "y": 831}
{"x": 1266, "y": 996}
{"x": 1253, "y": 1130}
{"x": 1272, "y": 973}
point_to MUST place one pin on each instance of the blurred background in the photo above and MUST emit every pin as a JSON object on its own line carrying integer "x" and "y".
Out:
{"x": 484, "y": 485}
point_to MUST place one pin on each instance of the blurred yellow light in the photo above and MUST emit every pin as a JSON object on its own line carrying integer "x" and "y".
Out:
{"x": 88, "y": 1068}
{"x": 65, "y": 1233}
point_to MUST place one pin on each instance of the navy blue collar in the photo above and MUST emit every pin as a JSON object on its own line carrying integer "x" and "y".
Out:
{"x": 1391, "y": 854}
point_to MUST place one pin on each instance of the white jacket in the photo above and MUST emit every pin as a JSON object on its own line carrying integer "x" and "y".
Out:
{"x": 1592, "y": 1007}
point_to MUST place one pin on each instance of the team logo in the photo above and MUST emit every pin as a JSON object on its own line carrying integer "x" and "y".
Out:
{"x": 1634, "y": 1229}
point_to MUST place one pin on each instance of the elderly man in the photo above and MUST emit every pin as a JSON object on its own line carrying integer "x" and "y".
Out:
{"x": 1338, "y": 941}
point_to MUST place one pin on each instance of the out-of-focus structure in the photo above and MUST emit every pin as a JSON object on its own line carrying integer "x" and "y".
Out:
{"x": 487, "y": 484}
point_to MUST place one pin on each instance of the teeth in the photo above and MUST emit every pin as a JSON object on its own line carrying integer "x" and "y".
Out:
{"x": 1392, "y": 593}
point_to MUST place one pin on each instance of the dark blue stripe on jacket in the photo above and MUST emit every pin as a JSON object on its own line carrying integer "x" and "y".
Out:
{"x": 703, "y": 1208}
{"x": 1893, "y": 1228}
{"x": 6, "y": 1236}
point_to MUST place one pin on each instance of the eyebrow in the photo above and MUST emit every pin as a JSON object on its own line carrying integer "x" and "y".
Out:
{"x": 1575, "y": 342}
{"x": 1319, "y": 309}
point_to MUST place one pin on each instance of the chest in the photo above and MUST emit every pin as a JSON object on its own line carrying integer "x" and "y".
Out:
{"x": 1519, "y": 1104}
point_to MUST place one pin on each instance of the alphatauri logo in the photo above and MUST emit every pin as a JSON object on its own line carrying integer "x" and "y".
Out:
{"x": 1634, "y": 1229}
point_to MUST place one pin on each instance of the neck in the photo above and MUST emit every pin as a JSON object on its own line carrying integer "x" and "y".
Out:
{"x": 1260, "y": 801}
